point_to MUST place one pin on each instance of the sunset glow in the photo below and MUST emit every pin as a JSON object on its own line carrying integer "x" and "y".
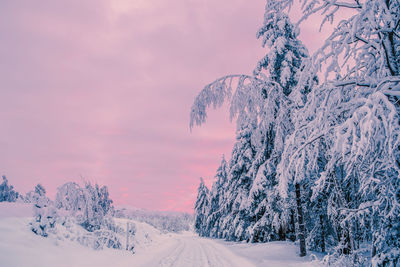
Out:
{"x": 102, "y": 92}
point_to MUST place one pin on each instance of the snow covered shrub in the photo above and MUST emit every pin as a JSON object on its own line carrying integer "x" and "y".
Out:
{"x": 130, "y": 234}
{"x": 44, "y": 213}
{"x": 70, "y": 197}
{"x": 102, "y": 238}
{"x": 111, "y": 234}
{"x": 106, "y": 238}
{"x": 87, "y": 218}
{"x": 89, "y": 205}
{"x": 97, "y": 205}
{"x": 7, "y": 192}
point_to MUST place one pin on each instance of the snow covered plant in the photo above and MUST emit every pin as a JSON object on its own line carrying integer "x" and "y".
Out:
{"x": 89, "y": 207}
{"x": 7, "y": 192}
{"x": 112, "y": 234}
{"x": 322, "y": 162}
{"x": 44, "y": 213}
{"x": 201, "y": 209}
{"x": 81, "y": 214}
{"x": 353, "y": 117}
{"x": 264, "y": 104}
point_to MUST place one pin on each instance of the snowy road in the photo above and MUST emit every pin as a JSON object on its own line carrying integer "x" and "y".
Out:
{"x": 19, "y": 247}
{"x": 190, "y": 250}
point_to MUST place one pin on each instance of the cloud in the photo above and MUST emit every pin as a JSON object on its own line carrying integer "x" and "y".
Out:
{"x": 103, "y": 89}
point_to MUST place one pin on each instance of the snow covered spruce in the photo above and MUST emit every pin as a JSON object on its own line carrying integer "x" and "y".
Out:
{"x": 317, "y": 153}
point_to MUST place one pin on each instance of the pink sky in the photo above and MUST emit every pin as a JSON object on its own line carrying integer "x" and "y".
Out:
{"x": 103, "y": 89}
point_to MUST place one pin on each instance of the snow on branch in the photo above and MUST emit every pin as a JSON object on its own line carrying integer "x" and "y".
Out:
{"x": 219, "y": 91}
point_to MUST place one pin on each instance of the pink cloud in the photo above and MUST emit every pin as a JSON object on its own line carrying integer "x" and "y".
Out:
{"x": 103, "y": 90}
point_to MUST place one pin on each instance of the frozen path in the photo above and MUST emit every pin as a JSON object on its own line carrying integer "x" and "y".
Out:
{"x": 191, "y": 250}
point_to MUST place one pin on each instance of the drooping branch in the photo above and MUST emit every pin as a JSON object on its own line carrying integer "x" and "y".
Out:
{"x": 217, "y": 92}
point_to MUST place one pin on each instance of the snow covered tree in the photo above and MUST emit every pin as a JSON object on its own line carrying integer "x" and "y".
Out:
{"x": 44, "y": 212}
{"x": 70, "y": 197}
{"x": 217, "y": 199}
{"x": 201, "y": 209}
{"x": 97, "y": 205}
{"x": 89, "y": 205}
{"x": 354, "y": 116}
{"x": 235, "y": 221}
{"x": 267, "y": 99}
{"x": 282, "y": 64}
{"x": 332, "y": 148}
{"x": 7, "y": 192}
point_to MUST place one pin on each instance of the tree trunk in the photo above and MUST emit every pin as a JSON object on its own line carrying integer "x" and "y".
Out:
{"x": 322, "y": 225}
{"x": 321, "y": 220}
{"x": 293, "y": 225}
{"x": 127, "y": 235}
{"x": 302, "y": 230}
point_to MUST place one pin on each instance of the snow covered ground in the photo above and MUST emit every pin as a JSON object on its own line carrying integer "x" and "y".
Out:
{"x": 20, "y": 247}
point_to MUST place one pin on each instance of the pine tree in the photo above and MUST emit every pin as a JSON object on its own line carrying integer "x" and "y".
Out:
{"x": 44, "y": 212}
{"x": 217, "y": 196}
{"x": 7, "y": 192}
{"x": 235, "y": 220}
{"x": 333, "y": 148}
{"x": 202, "y": 208}
{"x": 282, "y": 64}
{"x": 267, "y": 99}
{"x": 97, "y": 205}
{"x": 353, "y": 117}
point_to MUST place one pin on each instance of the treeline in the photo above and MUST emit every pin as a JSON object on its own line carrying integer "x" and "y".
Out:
{"x": 317, "y": 152}
{"x": 164, "y": 221}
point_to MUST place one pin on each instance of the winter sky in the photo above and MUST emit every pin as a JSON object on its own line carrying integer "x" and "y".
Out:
{"x": 101, "y": 90}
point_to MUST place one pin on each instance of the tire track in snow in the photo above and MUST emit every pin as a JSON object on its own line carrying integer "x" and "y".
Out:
{"x": 193, "y": 251}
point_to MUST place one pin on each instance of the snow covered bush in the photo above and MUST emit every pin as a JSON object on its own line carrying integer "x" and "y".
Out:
{"x": 106, "y": 237}
{"x": 7, "y": 192}
{"x": 109, "y": 235}
{"x": 80, "y": 214}
{"x": 44, "y": 212}
{"x": 89, "y": 205}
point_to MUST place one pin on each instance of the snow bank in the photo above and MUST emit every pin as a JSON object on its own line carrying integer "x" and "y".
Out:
{"x": 15, "y": 209}
{"x": 277, "y": 253}
{"x": 20, "y": 247}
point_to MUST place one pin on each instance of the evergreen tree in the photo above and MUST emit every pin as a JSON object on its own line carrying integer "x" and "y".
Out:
{"x": 333, "y": 151}
{"x": 282, "y": 64}
{"x": 44, "y": 212}
{"x": 201, "y": 209}
{"x": 97, "y": 206}
{"x": 7, "y": 192}
{"x": 268, "y": 100}
{"x": 235, "y": 221}
{"x": 217, "y": 199}
{"x": 353, "y": 118}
